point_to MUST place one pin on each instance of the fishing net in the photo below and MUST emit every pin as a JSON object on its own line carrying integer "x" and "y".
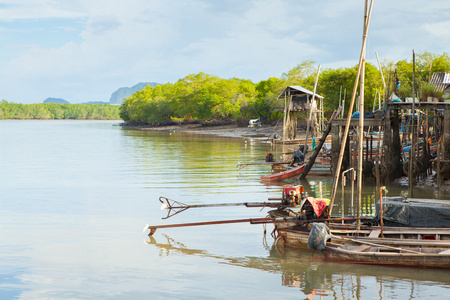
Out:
{"x": 318, "y": 236}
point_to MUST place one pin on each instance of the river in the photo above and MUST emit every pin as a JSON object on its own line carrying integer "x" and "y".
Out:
{"x": 75, "y": 196}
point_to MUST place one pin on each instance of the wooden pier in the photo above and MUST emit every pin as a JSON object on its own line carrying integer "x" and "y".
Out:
{"x": 388, "y": 138}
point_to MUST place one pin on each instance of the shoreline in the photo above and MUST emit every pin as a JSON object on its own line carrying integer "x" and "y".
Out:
{"x": 266, "y": 132}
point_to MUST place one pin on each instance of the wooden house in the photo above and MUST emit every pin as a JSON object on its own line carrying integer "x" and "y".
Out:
{"x": 297, "y": 99}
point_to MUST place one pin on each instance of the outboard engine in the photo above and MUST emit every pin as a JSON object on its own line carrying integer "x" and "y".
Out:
{"x": 292, "y": 195}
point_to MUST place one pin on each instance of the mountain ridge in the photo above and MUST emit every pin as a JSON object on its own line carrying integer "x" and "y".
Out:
{"x": 117, "y": 97}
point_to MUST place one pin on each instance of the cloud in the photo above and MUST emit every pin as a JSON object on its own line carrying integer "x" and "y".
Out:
{"x": 440, "y": 29}
{"x": 100, "y": 24}
{"x": 13, "y": 10}
{"x": 114, "y": 43}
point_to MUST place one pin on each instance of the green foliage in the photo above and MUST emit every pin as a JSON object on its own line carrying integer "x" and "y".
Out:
{"x": 202, "y": 96}
{"x": 196, "y": 96}
{"x": 429, "y": 90}
{"x": 57, "y": 111}
{"x": 426, "y": 64}
{"x": 300, "y": 73}
{"x": 267, "y": 103}
{"x": 334, "y": 83}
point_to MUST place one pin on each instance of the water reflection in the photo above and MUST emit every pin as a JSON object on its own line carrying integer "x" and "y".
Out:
{"x": 75, "y": 195}
{"x": 306, "y": 271}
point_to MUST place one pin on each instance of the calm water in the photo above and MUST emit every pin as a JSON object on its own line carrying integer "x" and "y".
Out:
{"x": 75, "y": 197}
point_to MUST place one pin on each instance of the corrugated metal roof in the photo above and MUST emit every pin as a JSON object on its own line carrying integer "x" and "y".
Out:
{"x": 446, "y": 78}
{"x": 440, "y": 80}
{"x": 297, "y": 90}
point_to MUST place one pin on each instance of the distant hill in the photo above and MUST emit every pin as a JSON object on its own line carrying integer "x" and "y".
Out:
{"x": 96, "y": 102}
{"x": 118, "y": 96}
{"x": 55, "y": 100}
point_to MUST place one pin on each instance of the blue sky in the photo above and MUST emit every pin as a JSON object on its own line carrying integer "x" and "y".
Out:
{"x": 83, "y": 50}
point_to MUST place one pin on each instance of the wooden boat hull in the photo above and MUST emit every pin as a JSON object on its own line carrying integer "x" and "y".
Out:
{"x": 295, "y": 171}
{"x": 429, "y": 257}
{"x": 320, "y": 172}
{"x": 297, "y": 237}
{"x": 347, "y": 245}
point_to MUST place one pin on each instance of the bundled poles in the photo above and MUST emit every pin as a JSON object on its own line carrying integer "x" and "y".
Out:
{"x": 381, "y": 72}
{"x": 350, "y": 109}
{"x": 308, "y": 125}
{"x": 361, "y": 124}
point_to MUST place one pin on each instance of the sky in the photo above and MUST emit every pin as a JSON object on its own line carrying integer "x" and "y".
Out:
{"x": 84, "y": 50}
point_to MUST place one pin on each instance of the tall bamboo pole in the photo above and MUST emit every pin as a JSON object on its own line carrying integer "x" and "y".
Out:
{"x": 375, "y": 100}
{"x": 381, "y": 72}
{"x": 284, "y": 117}
{"x": 413, "y": 136}
{"x": 361, "y": 126}
{"x": 343, "y": 103}
{"x": 350, "y": 109}
{"x": 361, "y": 143}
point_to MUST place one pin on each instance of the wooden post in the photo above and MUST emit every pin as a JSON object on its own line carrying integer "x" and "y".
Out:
{"x": 367, "y": 149}
{"x": 387, "y": 144}
{"x": 446, "y": 135}
{"x": 335, "y": 143}
{"x": 381, "y": 209}
{"x": 371, "y": 148}
{"x": 378, "y": 160}
{"x": 355, "y": 151}
{"x": 397, "y": 168}
{"x": 438, "y": 169}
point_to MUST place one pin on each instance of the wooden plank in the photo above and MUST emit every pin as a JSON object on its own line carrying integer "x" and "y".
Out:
{"x": 375, "y": 233}
{"x": 361, "y": 248}
{"x": 355, "y": 122}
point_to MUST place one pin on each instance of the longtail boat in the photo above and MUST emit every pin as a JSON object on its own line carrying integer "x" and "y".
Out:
{"x": 397, "y": 246}
{"x": 422, "y": 254}
{"x": 294, "y": 171}
{"x": 425, "y": 247}
{"x": 297, "y": 236}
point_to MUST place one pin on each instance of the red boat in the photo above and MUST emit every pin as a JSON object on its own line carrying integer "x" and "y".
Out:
{"x": 286, "y": 174}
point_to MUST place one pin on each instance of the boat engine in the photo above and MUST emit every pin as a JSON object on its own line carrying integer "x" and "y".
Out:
{"x": 292, "y": 195}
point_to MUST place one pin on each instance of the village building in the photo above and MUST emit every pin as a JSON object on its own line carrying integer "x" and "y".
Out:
{"x": 441, "y": 81}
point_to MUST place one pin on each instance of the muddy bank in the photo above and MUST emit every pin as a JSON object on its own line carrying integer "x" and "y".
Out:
{"x": 229, "y": 130}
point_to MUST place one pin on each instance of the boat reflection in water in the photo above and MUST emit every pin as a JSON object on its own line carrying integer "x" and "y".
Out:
{"x": 306, "y": 270}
